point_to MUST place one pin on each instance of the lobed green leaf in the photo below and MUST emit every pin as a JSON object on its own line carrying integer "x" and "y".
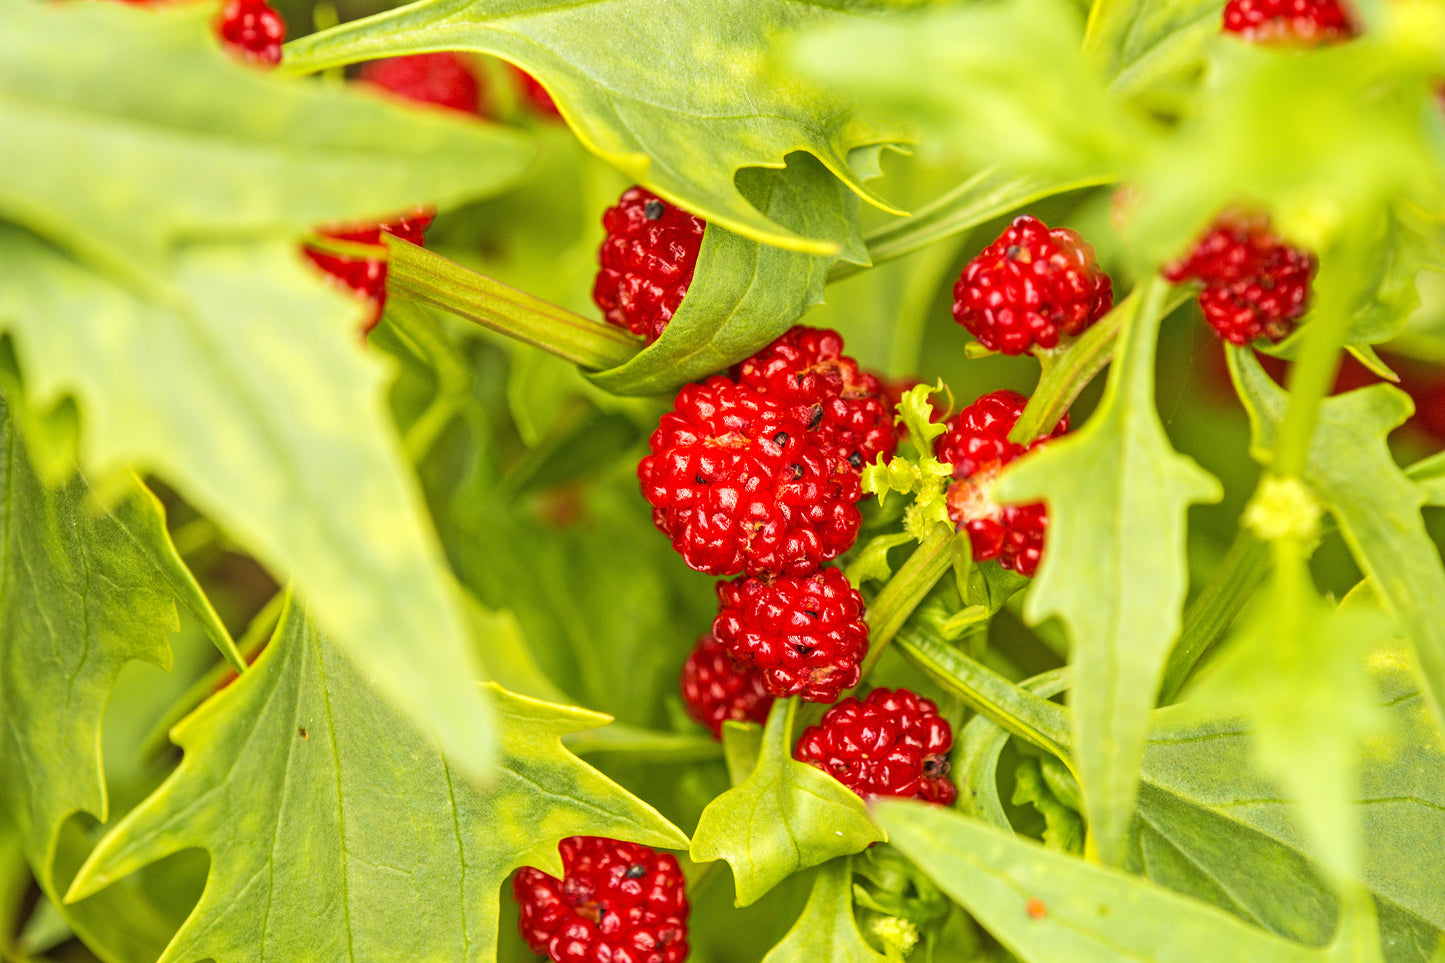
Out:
{"x": 680, "y": 96}
{"x": 1377, "y": 506}
{"x": 827, "y": 921}
{"x": 334, "y": 826}
{"x": 784, "y": 817}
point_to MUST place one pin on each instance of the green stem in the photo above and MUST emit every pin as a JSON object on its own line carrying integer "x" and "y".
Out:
{"x": 1068, "y": 372}
{"x": 1241, "y": 572}
{"x": 1313, "y": 374}
{"x": 915, "y": 579}
{"x": 427, "y": 276}
{"x": 1037, "y": 721}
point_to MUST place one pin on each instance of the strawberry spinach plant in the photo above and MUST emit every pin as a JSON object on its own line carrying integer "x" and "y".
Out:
{"x": 368, "y": 596}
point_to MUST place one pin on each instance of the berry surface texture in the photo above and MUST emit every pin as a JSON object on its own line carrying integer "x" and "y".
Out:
{"x": 646, "y": 262}
{"x": 893, "y": 743}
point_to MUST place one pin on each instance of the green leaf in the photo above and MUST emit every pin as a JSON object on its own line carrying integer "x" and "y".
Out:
{"x": 366, "y": 834}
{"x": 975, "y": 760}
{"x": 786, "y": 816}
{"x": 1063, "y": 829}
{"x": 1376, "y": 505}
{"x": 1117, "y": 495}
{"x": 982, "y": 197}
{"x": 229, "y": 154}
{"x": 1048, "y": 906}
{"x": 1294, "y": 670}
{"x": 743, "y": 293}
{"x": 255, "y": 401}
{"x": 1006, "y": 86}
{"x": 827, "y": 921}
{"x": 285, "y": 441}
{"x": 680, "y": 96}
{"x": 1211, "y": 826}
{"x": 1140, "y": 44}
{"x": 83, "y": 590}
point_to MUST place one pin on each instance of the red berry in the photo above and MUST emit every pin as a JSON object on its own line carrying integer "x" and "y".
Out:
{"x": 253, "y": 30}
{"x": 444, "y": 79}
{"x": 894, "y": 743}
{"x": 740, "y": 485}
{"x": 1254, "y": 283}
{"x": 367, "y": 276}
{"x": 1031, "y": 286}
{"x": 805, "y": 634}
{"x": 1289, "y": 21}
{"x": 716, "y": 687}
{"x": 807, "y": 370}
{"x": 646, "y": 262}
{"x": 976, "y": 445}
{"x": 616, "y": 901}
{"x": 535, "y": 93}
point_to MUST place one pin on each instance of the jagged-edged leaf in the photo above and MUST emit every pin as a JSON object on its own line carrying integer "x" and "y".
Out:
{"x": 336, "y": 829}
{"x": 785, "y": 816}
{"x": 1047, "y": 906}
{"x": 83, "y": 590}
{"x": 827, "y": 921}
{"x": 267, "y": 417}
{"x": 1117, "y": 495}
{"x": 1211, "y": 826}
{"x": 1376, "y": 505}
{"x": 1140, "y": 44}
{"x": 166, "y": 296}
{"x": 744, "y": 294}
{"x": 1007, "y": 85}
{"x": 679, "y": 95}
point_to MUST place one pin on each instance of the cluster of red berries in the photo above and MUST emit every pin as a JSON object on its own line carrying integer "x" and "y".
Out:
{"x": 976, "y": 444}
{"x": 1031, "y": 286}
{"x": 759, "y": 477}
{"x": 1254, "y": 283}
{"x": 1289, "y": 21}
{"x": 617, "y": 902}
{"x": 646, "y": 262}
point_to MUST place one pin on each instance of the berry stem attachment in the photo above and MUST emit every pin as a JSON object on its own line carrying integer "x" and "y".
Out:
{"x": 913, "y": 580}
{"x": 437, "y": 280}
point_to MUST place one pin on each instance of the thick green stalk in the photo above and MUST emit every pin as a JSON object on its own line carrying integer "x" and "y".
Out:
{"x": 427, "y": 276}
{"x": 907, "y": 587}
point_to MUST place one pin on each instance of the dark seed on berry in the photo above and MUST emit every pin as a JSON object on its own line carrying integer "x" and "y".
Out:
{"x": 817, "y": 418}
{"x": 780, "y": 439}
{"x": 653, "y": 210}
{"x": 636, "y": 872}
{"x": 856, "y": 460}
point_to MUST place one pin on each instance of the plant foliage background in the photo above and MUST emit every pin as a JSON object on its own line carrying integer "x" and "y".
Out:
{"x": 1210, "y": 729}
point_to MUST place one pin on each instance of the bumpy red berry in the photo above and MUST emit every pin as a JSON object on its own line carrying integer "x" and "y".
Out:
{"x": 253, "y": 30}
{"x": 367, "y": 276}
{"x": 616, "y": 902}
{"x": 807, "y": 370}
{"x": 976, "y": 445}
{"x": 1031, "y": 286}
{"x": 444, "y": 79}
{"x": 1254, "y": 283}
{"x": 894, "y": 743}
{"x": 716, "y": 687}
{"x": 646, "y": 262}
{"x": 805, "y": 634}
{"x": 739, "y": 485}
{"x": 1289, "y": 21}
